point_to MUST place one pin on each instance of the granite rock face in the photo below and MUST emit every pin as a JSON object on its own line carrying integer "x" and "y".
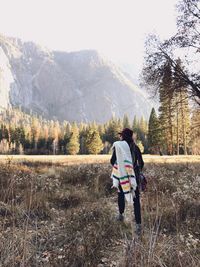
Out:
{"x": 75, "y": 86}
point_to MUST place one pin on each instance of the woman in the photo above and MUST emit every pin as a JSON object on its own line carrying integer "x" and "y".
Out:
{"x": 138, "y": 163}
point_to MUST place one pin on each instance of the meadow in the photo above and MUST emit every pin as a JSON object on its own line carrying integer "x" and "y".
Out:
{"x": 60, "y": 211}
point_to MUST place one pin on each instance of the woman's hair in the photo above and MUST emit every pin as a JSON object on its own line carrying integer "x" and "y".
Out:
{"x": 128, "y": 139}
{"x": 127, "y": 135}
{"x": 131, "y": 144}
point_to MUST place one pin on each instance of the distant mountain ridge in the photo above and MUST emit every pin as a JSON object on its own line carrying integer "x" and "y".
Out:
{"x": 76, "y": 86}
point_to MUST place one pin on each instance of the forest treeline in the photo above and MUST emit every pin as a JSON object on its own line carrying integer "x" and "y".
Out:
{"x": 22, "y": 133}
{"x": 173, "y": 131}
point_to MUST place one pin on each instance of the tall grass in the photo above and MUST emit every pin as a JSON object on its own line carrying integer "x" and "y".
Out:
{"x": 171, "y": 211}
{"x": 58, "y": 215}
{"x": 54, "y": 216}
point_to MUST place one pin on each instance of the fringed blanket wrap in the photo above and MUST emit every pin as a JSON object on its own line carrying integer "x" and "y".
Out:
{"x": 123, "y": 172}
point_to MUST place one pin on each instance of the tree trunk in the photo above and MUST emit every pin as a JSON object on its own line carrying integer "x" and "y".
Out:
{"x": 183, "y": 125}
{"x": 177, "y": 135}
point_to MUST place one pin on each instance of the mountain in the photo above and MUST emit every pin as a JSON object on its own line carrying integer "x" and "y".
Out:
{"x": 75, "y": 86}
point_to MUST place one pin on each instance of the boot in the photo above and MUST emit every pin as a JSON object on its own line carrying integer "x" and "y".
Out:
{"x": 138, "y": 229}
{"x": 120, "y": 217}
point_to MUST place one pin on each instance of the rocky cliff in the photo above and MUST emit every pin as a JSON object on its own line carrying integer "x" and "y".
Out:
{"x": 76, "y": 86}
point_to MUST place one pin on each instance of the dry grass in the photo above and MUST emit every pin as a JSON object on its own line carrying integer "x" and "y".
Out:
{"x": 171, "y": 212}
{"x": 88, "y": 159}
{"x": 62, "y": 214}
{"x": 54, "y": 160}
{"x": 54, "y": 216}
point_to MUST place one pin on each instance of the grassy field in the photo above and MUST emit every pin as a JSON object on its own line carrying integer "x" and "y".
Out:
{"x": 59, "y": 211}
{"x": 79, "y": 159}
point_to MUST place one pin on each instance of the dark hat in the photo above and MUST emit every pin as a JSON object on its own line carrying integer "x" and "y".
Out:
{"x": 126, "y": 132}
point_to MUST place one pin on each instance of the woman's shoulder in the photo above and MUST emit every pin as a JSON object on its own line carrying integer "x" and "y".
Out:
{"x": 118, "y": 143}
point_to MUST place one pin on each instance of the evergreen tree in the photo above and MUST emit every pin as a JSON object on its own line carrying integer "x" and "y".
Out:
{"x": 182, "y": 112}
{"x": 111, "y": 130}
{"x": 82, "y": 138}
{"x": 195, "y": 132}
{"x": 154, "y": 134}
{"x": 18, "y": 136}
{"x": 73, "y": 144}
{"x": 93, "y": 141}
{"x": 4, "y": 146}
{"x": 135, "y": 124}
{"x": 166, "y": 110}
{"x": 101, "y": 130}
{"x": 35, "y": 130}
{"x": 126, "y": 122}
{"x": 142, "y": 132}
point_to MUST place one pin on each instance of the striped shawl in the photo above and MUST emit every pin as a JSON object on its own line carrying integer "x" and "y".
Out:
{"x": 123, "y": 172}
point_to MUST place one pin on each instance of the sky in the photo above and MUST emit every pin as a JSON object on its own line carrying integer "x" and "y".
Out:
{"x": 116, "y": 28}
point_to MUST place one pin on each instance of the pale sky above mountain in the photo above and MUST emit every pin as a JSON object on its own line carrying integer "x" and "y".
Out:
{"x": 116, "y": 28}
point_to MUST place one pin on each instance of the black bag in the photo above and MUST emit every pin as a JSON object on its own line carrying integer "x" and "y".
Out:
{"x": 142, "y": 182}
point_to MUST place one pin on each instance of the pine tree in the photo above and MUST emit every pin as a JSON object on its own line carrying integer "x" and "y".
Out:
{"x": 135, "y": 128}
{"x": 101, "y": 130}
{"x": 4, "y": 146}
{"x": 82, "y": 138}
{"x": 166, "y": 110}
{"x": 35, "y": 130}
{"x": 112, "y": 128}
{"x": 93, "y": 141}
{"x": 73, "y": 145}
{"x": 142, "y": 132}
{"x": 183, "y": 121}
{"x": 135, "y": 124}
{"x": 195, "y": 132}
{"x": 126, "y": 122}
{"x": 18, "y": 136}
{"x": 154, "y": 135}
{"x": 182, "y": 112}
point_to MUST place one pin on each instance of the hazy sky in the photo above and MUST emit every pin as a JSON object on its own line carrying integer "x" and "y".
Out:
{"x": 116, "y": 28}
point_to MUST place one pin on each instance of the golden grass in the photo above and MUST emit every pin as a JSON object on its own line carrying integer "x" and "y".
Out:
{"x": 55, "y": 213}
{"x": 77, "y": 159}
{"x": 59, "y": 159}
